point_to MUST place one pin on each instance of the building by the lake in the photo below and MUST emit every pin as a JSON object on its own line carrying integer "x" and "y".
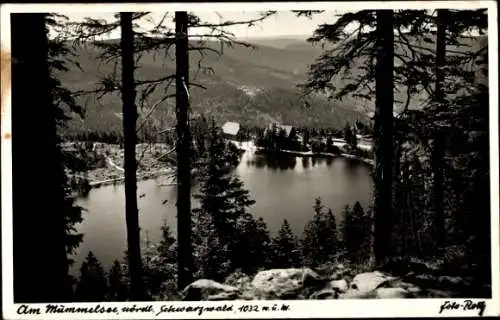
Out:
{"x": 230, "y": 130}
{"x": 290, "y": 131}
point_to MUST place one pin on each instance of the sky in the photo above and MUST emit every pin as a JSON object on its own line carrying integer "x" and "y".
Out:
{"x": 283, "y": 24}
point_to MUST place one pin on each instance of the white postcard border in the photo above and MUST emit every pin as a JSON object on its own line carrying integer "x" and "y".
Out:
{"x": 297, "y": 309}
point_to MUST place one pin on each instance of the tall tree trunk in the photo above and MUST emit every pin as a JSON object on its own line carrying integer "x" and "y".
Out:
{"x": 438, "y": 142}
{"x": 185, "y": 256}
{"x": 383, "y": 130}
{"x": 40, "y": 261}
{"x": 137, "y": 291}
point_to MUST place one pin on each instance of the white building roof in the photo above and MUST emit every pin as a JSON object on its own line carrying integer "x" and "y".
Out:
{"x": 231, "y": 128}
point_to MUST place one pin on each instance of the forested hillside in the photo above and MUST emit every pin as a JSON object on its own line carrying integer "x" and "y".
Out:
{"x": 253, "y": 86}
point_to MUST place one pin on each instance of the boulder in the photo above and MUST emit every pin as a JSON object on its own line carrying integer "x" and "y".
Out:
{"x": 244, "y": 284}
{"x": 369, "y": 281}
{"x": 341, "y": 272}
{"x": 356, "y": 294}
{"x": 435, "y": 293}
{"x": 324, "y": 295}
{"x": 286, "y": 284}
{"x": 391, "y": 293}
{"x": 337, "y": 285}
{"x": 206, "y": 289}
{"x": 378, "y": 285}
{"x": 452, "y": 282}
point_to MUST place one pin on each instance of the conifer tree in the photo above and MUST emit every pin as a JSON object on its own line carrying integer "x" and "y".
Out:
{"x": 285, "y": 248}
{"x": 92, "y": 285}
{"x": 371, "y": 43}
{"x": 356, "y": 233}
{"x": 222, "y": 211}
{"x": 211, "y": 254}
{"x": 130, "y": 164}
{"x": 347, "y": 134}
{"x": 118, "y": 290}
{"x": 354, "y": 138}
{"x": 251, "y": 246}
{"x": 161, "y": 37}
{"x": 329, "y": 144}
{"x": 183, "y": 146}
{"x": 37, "y": 62}
{"x": 319, "y": 241}
{"x": 161, "y": 268}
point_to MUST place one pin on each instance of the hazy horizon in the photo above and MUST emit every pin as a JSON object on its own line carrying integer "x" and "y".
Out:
{"x": 284, "y": 24}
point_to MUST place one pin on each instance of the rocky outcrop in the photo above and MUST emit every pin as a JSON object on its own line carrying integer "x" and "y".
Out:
{"x": 205, "y": 290}
{"x": 283, "y": 284}
{"x": 336, "y": 282}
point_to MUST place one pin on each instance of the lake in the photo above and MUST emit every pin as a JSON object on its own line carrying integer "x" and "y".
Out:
{"x": 283, "y": 187}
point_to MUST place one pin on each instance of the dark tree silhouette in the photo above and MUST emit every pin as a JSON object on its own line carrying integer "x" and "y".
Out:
{"x": 92, "y": 285}
{"x": 118, "y": 289}
{"x": 183, "y": 145}
{"x": 383, "y": 135}
{"x": 137, "y": 291}
{"x": 47, "y": 223}
{"x": 223, "y": 212}
{"x": 319, "y": 243}
{"x": 361, "y": 58}
{"x": 285, "y": 248}
{"x": 438, "y": 139}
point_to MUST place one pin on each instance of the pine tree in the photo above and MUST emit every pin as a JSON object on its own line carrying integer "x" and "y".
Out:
{"x": 331, "y": 230}
{"x": 356, "y": 233}
{"x": 92, "y": 285}
{"x": 319, "y": 240}
{"x": 251, "y": 246}
{"x": 305, "y": 139}
{"x": 161, "y": 268}
{"x": 384, "y": 104}
{"x": 183, "y": 146}
{"x": 348, "y": 134}
{"x": 329, "y": 144}
{"x": 118, "y": 290}
{"x": 438, "y": 139}
{"x": 166, "y": 248}
{"x": 211, "y": 254}
{"x": 130, "y": 163}
{"x": 285, "y": 248}
{"x": 224, "y": 202}
{"x": 35, "y": 63}
{"x": 354, "y": 138}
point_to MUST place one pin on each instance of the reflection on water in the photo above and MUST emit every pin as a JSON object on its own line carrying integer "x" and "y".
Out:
{"x": 283, "y": 187}
{"x": 272, "y": 162}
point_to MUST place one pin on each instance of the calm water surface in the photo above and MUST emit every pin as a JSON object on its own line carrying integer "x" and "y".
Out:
{"x": 283, "y": 188}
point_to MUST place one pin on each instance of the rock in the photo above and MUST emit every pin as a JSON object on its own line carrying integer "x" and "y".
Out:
{"x": 434, "y": 293}
{"x": 452, "y": 281}
{"x": 238, "y": 279}
{"x": 338, "y": 285}
{"x": 341, "y": 272}
{"x": 206, "y": 289}
{"x": 356, "y": 294}
{"x": 399, "y": 283}
{"x": 223, "y": 296}
{"x": 369, "y": 281}
{"x": 283, "y": 284}
{"x": 391, "y": 293}
{"x": 421, "y": 280}
{"x": 377, "y": 285}
{"x": 324, "y": 295}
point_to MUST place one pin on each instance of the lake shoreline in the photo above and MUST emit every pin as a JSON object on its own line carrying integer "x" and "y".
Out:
{"x": 140, "y": 177}
{"x": 112, "y": 174}
{"x": 367, "y": 161}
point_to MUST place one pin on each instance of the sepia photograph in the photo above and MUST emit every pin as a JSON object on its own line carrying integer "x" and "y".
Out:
{"x": 334, "y": 152}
